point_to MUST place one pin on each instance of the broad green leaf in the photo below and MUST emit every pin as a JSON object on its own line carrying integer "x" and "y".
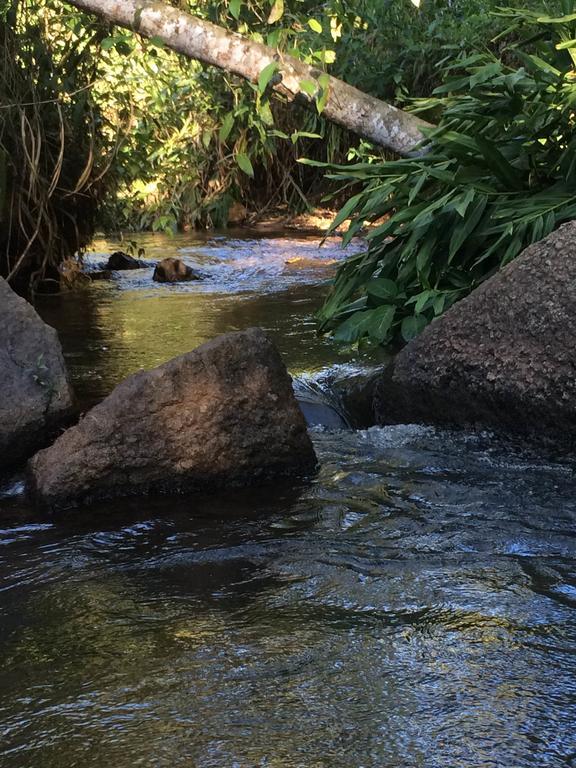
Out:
{"x": 244, "y": 164}
{"x": 234, "y": 7}
{"x": 266, "y": 75}
{"x": 315, "y": 25}
{"x": 412, "y": 326}
{"x": 226, "y": 127}
{"x": 322, "y": 100}
{"x": 382, "y": 288}
{"x": 354, "y": 327}
{"x": 309, "y": 86}
{"x": 380, "y": 322}
{"x": 422, "y": 301}
{"x": 266, "y": 113}
{"x": 276, "y": 12}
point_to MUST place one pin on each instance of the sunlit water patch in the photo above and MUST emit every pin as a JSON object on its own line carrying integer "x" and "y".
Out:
{"x": 230, "y": 265}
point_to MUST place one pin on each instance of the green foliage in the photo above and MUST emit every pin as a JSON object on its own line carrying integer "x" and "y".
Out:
{"x": 50, "y": 141}
{"x": 498, "y": 173}
{"x": 195, "y": 140}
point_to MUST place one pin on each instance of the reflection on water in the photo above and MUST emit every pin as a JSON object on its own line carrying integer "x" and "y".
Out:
{"x": 112, "y": 328}
{"x": 414, "y": 607}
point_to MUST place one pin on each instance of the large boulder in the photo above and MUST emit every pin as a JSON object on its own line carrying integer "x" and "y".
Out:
{"x": 35, "y": 396}
{"x": 504, "y": 357}
{"x": 222, "y": 415}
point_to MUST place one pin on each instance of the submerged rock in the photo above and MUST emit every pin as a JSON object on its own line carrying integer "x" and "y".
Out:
{"x": 222, "y": 415}
{"x": 504, "y": 357}
{"x": 35, "y": 396}
{"x": 174, "y": 271}
{"x": 120, "y": 260}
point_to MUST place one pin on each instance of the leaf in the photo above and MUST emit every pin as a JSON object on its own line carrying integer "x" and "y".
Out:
{"x": 315, "y": 26}
{"x": 566, "y": 44}
{"x": 463, "y": 230}
{"x": 485, "y": 73}
{"x": 422, "y": 301}
{"x": 412, "y": 326}
{"x": 382, "y": 288}
{"x": 266, "y": 75}
{"x": 157, "y": 41}
{"x": 277, "y": 11}
{"x": 234, "y": 7}
{"x": 309, "y": 86}
{"x": 380, "y": 322}
{"x": 226, "y": 127}
{"x": 244, "y": 164}
{"x": 462, "y": 206}
{"x": 354, "y": 327}
{"x": 322, "y": 100}
{"x": 498, "y": 164}
{"x": 345, "y": 212}
{"x": 557, "y": 20}
{"x": 266, "y": 114}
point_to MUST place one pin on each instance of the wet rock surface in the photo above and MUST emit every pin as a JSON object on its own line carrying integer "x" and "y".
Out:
{"x": 174, "y": 271}
{"x": 222, "y": 415}
{"x": 35, "y": 396}
{"x": 120, "y": 260}
{"x": 503, "y": 358}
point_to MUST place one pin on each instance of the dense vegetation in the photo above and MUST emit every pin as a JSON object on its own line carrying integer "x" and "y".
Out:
{"x": 52, "y": 146}
{"x": 498, "y": 173}
{"x": 99, "y": 126}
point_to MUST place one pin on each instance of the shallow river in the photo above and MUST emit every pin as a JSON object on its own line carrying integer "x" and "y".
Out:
{"x": 414, "y": 606}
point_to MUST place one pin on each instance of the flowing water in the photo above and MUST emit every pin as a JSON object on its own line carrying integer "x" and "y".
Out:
{"x": 415, "y": 605}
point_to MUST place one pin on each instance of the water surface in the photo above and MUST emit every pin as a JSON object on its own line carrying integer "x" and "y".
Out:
{"x": 414, "y": 606}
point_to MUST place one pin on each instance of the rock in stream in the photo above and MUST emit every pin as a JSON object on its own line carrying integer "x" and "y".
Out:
{"x": 35, "y": 396}
{"x": 503, "y": 358}
{"x": 222, "y": 415}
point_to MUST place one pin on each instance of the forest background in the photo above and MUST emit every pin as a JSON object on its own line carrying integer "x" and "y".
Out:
{"x": 100, "y": 128}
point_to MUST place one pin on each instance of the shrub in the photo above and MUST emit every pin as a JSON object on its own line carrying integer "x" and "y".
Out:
{"x": 496, "y": 174}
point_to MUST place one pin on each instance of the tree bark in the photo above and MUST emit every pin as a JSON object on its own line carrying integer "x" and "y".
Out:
{"x": 375, "y": 120}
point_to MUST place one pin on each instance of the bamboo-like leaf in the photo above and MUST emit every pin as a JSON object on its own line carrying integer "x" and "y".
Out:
{"x": 464, "y": 230}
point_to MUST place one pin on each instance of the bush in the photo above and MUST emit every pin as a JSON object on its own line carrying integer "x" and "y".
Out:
{"x": 496, "y": 174}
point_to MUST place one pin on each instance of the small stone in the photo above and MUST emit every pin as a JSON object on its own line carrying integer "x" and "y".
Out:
{"x": 174, "y": 271}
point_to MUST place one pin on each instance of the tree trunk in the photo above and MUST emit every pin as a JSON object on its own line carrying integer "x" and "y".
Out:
{"x": 366, "y": 116}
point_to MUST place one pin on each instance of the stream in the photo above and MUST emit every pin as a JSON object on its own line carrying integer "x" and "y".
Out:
{"x": 412, "y": 607}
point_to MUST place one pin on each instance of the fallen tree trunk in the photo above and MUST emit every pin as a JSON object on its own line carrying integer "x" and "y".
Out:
{"x": 375, "y": 120}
